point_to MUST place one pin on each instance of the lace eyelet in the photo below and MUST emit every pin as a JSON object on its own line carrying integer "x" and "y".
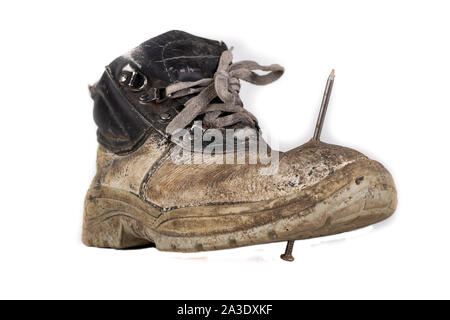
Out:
{"x": 165, "y": 116}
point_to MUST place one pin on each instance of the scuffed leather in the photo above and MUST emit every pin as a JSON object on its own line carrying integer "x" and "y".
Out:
{"x": 171, "y": 57}
{"x": 125, "y": 115}
{"x": 151, "y": 174}
{"x": 174, "y": 185}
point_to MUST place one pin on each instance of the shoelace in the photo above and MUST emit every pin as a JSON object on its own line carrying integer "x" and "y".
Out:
{"x": 226, "y": 86}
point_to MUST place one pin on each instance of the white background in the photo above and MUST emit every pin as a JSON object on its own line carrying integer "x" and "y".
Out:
{"x": 390, "y": 101}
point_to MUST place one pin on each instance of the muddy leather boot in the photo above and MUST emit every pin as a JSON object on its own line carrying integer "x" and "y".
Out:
{"x": 148, "y": 106}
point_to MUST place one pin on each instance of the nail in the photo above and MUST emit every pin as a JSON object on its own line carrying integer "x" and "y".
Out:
{"x": 287, "y": 255}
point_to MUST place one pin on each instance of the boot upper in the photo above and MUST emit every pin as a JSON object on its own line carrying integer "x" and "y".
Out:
{"x": 129, "y": 98}
{"x": 150, "y": 88}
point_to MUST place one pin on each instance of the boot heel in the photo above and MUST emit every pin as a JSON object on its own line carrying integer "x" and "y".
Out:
{"x": 108, "y": 227}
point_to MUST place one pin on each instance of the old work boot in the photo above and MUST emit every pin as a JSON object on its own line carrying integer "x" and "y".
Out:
{"x": 161, "y": 181}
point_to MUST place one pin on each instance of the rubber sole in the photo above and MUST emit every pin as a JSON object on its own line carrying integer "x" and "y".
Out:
{"x": 356, "y": 196}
